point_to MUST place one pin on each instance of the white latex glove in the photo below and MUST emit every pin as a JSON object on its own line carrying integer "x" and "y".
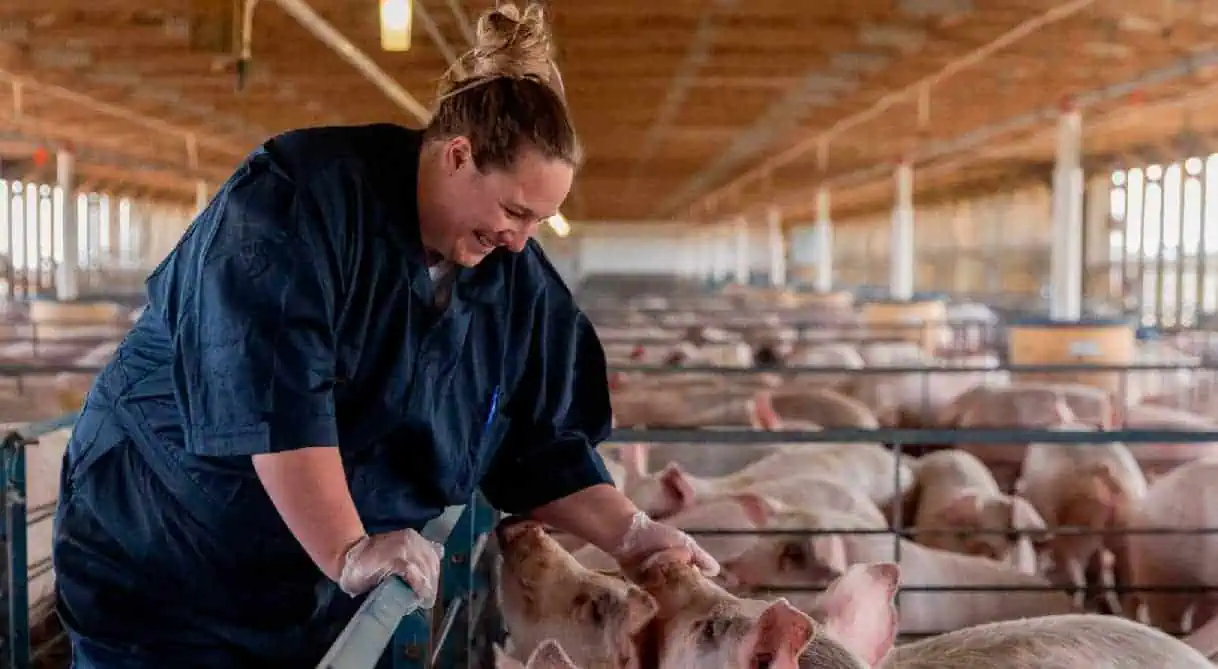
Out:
{"x": 403, "y": 552}
{"x": 648, "y": 541}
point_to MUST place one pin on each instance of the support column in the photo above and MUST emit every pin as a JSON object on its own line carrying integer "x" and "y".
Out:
{"x": 1066, "y": 255}
{"x": 901, "y": 264}
{"x": 687, "y": 255}
{"x": 710, "y": 253}
{"x": 778, "y": 248}
{"x": 114, "y": 234}
{"x": 743, "y": 261}
{"x": 67, "y": 286}
{"x": 824, "y": 243}
{"x": 723, "y": 253}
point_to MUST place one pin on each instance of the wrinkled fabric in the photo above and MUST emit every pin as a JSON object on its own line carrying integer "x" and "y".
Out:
{"x": 297, "y": 311}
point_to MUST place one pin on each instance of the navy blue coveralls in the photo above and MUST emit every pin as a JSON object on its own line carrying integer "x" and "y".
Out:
{"x": 297, "y": 311}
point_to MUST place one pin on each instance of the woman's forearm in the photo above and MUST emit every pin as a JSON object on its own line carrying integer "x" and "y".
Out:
{"x": 600, "y": 515}
{"x": 309, "y": 489}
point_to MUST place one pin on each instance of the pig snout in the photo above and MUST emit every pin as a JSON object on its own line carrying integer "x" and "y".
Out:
{"x": 515, "y": 529}
{"x": 549, "y": 655}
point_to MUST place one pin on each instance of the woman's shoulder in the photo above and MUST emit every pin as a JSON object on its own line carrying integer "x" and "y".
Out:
{"x": 376, "y": 150}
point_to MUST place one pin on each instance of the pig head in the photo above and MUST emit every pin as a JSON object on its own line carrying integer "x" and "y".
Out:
{"x": 1002, "y": 527}
{"x": 546, "y": 594}
{"x": 699, "y": 624}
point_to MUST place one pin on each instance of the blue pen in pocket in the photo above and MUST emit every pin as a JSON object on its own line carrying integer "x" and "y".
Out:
{"x": 490, "y": 415}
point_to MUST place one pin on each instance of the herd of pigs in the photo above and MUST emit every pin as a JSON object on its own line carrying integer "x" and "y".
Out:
{"x": 1010, "y": 556}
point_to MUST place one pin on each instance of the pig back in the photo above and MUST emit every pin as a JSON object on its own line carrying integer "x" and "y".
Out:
{"x": 1160, "y": 457}
{"x": 1066, "y": 641}
{"x": 1185, "y": 498}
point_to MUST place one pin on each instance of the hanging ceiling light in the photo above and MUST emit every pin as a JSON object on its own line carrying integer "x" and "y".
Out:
{"x": 559, "y": 224}
{"x": 395, "y": 25}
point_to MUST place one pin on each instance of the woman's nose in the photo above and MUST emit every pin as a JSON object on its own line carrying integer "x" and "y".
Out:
{"x": 513, "y": 241}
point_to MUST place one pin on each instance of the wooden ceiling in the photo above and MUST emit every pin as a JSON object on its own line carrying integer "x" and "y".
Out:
{"x": 688, "y": 108}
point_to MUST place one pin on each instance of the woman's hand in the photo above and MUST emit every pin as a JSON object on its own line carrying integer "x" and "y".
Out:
{"x": 607, "y": 519}
{"x": 648, "y": 542}
{"x": 404, "y": 552}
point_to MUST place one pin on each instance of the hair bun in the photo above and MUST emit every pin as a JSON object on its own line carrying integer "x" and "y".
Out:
{"x": 508, "y": 43}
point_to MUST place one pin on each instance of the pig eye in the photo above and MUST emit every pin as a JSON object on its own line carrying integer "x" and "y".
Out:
{"x": 594, "y": 609}
{"x": 793, "y": 555}
{"x": 712, "y": 629}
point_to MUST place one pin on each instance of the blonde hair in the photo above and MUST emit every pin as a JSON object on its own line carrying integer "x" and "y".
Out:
{"x": 506, "y": 93}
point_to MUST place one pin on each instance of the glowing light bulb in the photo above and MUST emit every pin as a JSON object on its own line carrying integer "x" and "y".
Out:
{"x": 395, "y": 25}
{"x": 560, "y": 225}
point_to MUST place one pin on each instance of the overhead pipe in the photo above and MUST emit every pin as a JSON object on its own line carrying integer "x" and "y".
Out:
{"x": 433, "y": 31}
{"x": 458, "y": 12}
{"x": 917, "y": 88}
{"x": 987, "y": 133}
{"x": 696, "y": 55}
{"x": 331, "y": 37}
{"x": 122, "y": 113}
{"x": 247, "y": 42}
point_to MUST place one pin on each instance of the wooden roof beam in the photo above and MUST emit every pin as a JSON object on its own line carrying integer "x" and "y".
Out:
{"x": 1019, "y": 32}
{"x": 1022, "y": 128}
{"x": 697, "y": 54}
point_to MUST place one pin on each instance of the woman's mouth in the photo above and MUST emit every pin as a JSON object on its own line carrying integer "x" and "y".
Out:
{"x": 485, "y": 240}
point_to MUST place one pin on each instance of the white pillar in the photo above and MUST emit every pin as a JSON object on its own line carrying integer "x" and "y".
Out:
{"x": 778, "y": 248}
{"x": 723, "y": 253}
{"x": 743, "y": 261}
{"x": 901, "y": 267}
{"x": 67, "y": 285}
{"x": 706, "y": 252}
{"x": 824, "y": 243}
{"x": 1066, "y": 256}
{"x": 202, "y": 196}
{"x": 689, "y": 253}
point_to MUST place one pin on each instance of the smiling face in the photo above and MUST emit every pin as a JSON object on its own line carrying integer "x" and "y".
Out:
{"x": 467, "y": 212}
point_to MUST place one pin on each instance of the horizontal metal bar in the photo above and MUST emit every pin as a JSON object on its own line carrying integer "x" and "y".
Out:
{"x": 663, "y": 370}
{"x": 363, "y": 640}
{"x": 46, "y": 370}
{"x": 35, "y": 430}
{"x": 40, "y": 513}
{"x": 1014, "y": 436}
{"x": 1008, "y": 588}
{"x": 907, "y": 532}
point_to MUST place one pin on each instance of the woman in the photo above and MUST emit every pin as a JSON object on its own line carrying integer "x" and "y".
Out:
{"x": 355, "y": 334}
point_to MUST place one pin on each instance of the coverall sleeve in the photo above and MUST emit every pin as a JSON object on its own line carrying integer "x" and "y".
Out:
{"x": 254, "y": 360}
{"x": 559, "y": 413}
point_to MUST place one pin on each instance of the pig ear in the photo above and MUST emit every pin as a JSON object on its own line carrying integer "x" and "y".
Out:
{"x": 859, "y": 610}
{"x": 641, "y": 608}
{"x": 550, "y": 655}
{"x": 830, "y": 550}
{"x": 1024, "y": 516}
{"x": 504, "y": 661}
{"x": 966, "y": 506}
{"x": 783, "y": 631}
{"x": 762, "y": 413}
{"x": 759, "y": 509}
{"x": 634, "y": 458}
{"x": 676, "y": 483}
{"x": 1104, "y": 487}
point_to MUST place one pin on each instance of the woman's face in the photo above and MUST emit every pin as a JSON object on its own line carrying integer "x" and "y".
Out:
{"x": 473, "y": 212}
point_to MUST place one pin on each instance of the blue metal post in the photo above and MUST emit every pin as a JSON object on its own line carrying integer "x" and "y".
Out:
{"x": 18, "y": 567}
{"x": 464, "y": 575}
